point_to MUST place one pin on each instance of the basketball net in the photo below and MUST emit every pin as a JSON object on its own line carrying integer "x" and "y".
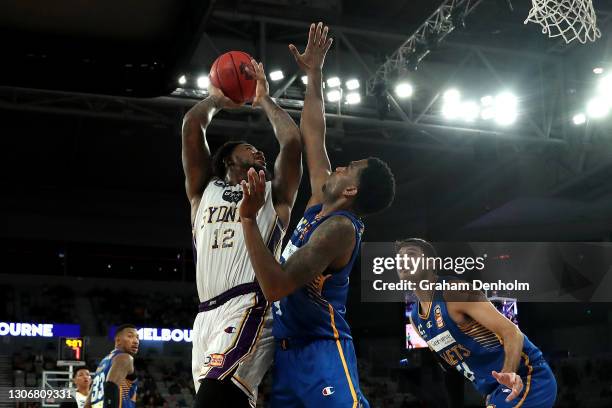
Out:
{"x": 570, "y": 19}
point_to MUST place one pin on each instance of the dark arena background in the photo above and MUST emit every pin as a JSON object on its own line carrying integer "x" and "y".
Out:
{"x": 494, "y": 131}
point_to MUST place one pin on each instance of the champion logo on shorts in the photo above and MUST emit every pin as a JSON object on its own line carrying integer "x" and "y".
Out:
{"x": 327, "y": 391}
{"x": 215, "y": 360}
{"x": 230, "y": 330}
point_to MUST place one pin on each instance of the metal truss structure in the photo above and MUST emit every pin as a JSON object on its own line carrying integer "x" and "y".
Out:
{"x": 429, "y": 34}
{"x": 414, "y": 124}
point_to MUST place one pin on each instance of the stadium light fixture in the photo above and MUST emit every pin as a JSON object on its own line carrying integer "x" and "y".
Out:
{"x": 276, "y": 75}
{"x": 605, "y": 85}
{"x": 334, "y": 95}
{"x": 487, "y": 100}
{"x": 598, "y": 70}
{"x": 469, "y": 111}
{"x": 598, "y": 107}
{"x": 353, "y": 98}
{"x": 203, "y": 81}
{"x": 182, "y": 80}
{"x": 352, "y": 84}
{"x": 333, "y": 82}
{"x": 506, "y": 108}
{"x": 451, "y": 95}
{"x": 579, "y": 119}
{"x": 404, "y": 90}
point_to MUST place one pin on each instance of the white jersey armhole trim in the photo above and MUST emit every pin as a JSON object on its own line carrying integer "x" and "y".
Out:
{"x": 197, "y": 214}
{"x": 279, "y": 223}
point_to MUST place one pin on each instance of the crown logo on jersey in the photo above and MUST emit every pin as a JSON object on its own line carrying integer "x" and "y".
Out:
{"x": 232, "y": 196}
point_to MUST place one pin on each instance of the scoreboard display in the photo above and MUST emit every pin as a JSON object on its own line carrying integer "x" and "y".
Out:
{"x": 71, "y": 349}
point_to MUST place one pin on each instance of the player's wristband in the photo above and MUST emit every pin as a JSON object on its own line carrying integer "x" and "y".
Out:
{"x": 111, "y": 395}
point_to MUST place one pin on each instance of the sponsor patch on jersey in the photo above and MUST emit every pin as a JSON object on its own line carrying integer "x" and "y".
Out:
{"x": 232, "y": 196}
{"x": 441, "y": 341}
{"x": 230, "y": 330}
{"x": 215, "y": 360}
{"x": 327, "y": 391}
{"x": 289, "y": 250}
{"x": 438, "y": 317}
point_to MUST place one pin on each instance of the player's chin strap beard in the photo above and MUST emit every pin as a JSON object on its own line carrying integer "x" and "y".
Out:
{"x": 246, "y": 166}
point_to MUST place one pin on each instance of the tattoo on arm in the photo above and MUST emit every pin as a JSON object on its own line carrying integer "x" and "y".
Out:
{"x": 288, "y": 165}
{"x": 327, "y": 244}
{"x": 123, "y": 364}
{"x": 196, "y": 155}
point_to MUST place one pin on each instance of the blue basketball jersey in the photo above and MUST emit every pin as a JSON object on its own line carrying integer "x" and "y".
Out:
{"x": 471, "y": 348}
{"x": 317, "y": 310}
{"x": 127, "y": 389}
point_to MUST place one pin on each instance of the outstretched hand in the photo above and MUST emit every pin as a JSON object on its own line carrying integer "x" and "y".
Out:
{"x": 316, "y": 49}
{"x": 254, "y": 192}
{"x": 262, "y": 89}
{"x": 510, "y": 380}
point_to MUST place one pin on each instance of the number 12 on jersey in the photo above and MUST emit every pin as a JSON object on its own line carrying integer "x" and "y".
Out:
{"x": 227, "y": 238}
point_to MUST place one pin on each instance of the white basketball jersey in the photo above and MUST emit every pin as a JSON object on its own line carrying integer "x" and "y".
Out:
{"x": 222, "y": 260}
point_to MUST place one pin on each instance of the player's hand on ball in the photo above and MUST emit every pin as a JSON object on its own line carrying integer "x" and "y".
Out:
{"x": 254, "y": 194}
{"x": 316, "y": 49}
{"x": 223, "y": 102}
{"x": 510, "y": 380}
{"x": 263, "y": 89}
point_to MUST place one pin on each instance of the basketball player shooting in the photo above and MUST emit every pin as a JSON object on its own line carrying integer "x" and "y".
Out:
{"x": 468, "y": 333}
{"x": 114, "y": 384}
{"x": 232, "y": 333}
{"x": 310, "y": 286}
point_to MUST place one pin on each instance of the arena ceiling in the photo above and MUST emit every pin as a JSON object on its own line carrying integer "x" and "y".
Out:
{"x": 104, "y": 167}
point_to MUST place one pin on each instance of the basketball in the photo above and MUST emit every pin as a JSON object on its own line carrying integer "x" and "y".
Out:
{"x": 228, "y": 73}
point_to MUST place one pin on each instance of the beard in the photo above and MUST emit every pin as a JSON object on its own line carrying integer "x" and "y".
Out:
{"x": 246, "y": 166}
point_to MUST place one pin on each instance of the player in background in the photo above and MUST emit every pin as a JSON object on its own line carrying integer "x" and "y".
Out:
{"x": 232, "y": 337}
{"x": 114, "y": 383}
{"x": 82, "y": 381}
{"x": 468, "y": 333}
{"x": 315, "y": 363}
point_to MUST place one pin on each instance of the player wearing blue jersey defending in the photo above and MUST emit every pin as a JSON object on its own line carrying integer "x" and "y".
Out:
{"x": 114, "y": 383}
{"x": 467, "y": 332}
{"x": 315, "y": 363}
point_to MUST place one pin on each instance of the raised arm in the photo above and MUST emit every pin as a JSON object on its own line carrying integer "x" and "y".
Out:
{"x": 123, "y": 365}
{"x": 326, "y": 246}
{"x": 312, "y": 123}
{"x": 195, "y": 152}
{"x": 288, "y": 165}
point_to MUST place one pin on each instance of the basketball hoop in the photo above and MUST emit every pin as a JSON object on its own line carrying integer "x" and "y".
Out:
{"x": 570, "y": 19}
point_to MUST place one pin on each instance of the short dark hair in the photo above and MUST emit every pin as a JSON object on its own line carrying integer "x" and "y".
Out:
{"x": 376, "y": 187}
{"x": 123, "y": 327}
{"x": 218, "y": 159}
{"x": 428, "y": 249}
{"x": 76, "y": 371}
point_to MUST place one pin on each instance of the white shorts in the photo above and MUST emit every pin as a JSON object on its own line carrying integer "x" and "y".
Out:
{"x": 235, "y": 337}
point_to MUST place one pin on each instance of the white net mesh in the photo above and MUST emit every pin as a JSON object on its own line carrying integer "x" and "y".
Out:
{"x": 570, "y": 19}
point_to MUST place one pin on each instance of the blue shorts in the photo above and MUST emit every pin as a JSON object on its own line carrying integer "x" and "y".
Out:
{"x": 318, "y": 373}
{"x": 539, "y": 390}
